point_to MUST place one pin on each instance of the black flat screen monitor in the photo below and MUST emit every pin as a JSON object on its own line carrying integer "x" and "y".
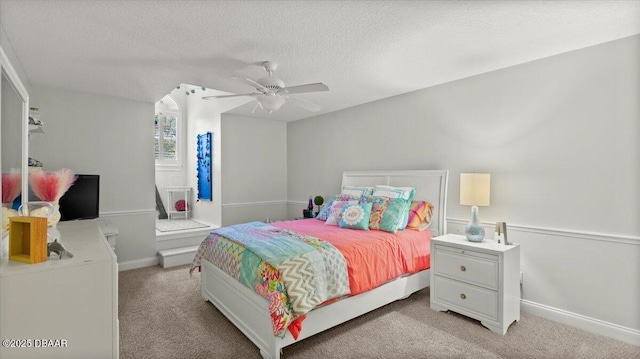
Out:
{"x": 82, "y": 200}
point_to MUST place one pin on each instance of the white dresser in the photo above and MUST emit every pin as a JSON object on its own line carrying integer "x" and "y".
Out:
{"x": 479, "y": 280}
{"x": 69, "y": 305}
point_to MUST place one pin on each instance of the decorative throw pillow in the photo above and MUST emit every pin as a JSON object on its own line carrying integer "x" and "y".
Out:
{"x": 356, "y": 216}
{"x": 405, "y": 193}
{"x": 324, "y": 213}
{"x": 356, "y": 191}
{"x": 335, "y": 212}
{"x": 420, "y": 213}
{"x": 386, "y": 213}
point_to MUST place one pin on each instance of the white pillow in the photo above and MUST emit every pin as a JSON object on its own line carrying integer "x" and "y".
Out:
{"x": 356, "y": 190}
{"x": 405, "y": 193}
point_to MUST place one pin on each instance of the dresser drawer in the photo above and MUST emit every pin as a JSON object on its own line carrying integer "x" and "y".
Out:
{"x": 467, "y": 266}
{"x": 479, "y": 301}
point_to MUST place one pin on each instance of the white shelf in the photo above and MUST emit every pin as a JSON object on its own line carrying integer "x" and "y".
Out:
{"x": 184, "y": 192}
{"x": 36, "y": 129}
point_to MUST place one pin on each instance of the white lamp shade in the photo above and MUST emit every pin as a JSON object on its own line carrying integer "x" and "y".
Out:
{"x": 475, "y": 189}
{"x": 270, "y": 103}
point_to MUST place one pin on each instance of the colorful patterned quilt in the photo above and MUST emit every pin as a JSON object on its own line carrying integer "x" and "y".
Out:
{"x": 295, "y": 272}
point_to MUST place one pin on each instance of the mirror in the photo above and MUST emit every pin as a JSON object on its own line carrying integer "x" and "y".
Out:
{"x": 14, "y": 112}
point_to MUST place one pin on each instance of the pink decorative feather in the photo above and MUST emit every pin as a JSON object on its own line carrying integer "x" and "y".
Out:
{"x": 66, "y": 178}
{"x": 51, "y": 185}
{"x": 11, "y": 186}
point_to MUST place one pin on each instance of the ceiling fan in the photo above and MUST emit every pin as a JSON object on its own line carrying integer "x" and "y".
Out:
{"x": 271, "y": 91}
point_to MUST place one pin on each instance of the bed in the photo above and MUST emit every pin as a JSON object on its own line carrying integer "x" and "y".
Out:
{"x": 250, "y": 312}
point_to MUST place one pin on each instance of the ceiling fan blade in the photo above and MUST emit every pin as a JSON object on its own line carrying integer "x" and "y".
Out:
{"x": 305, "y": 88}
{"x": 227, "y": 96}
{"x": 304, "y": 104}
{"x": 251, "y": 83}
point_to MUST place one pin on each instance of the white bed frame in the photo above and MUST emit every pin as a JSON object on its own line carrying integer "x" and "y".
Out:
{"x": 249, "y": 312}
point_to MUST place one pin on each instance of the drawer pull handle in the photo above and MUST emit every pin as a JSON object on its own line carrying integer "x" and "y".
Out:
{"x": 463, "y": 268}
{"x": 463, "y": 296}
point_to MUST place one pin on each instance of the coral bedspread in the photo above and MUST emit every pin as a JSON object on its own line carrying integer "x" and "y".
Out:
{"x": 372, "y": 259}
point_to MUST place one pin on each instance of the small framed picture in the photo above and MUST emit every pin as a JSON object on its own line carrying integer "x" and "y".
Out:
{"x": 500, "y": 235}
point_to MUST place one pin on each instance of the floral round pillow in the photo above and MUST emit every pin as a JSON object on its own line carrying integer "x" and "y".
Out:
{"x": 356, "y": 216}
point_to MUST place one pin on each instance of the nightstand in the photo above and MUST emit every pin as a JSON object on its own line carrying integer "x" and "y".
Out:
{"x": 479, "y": 280}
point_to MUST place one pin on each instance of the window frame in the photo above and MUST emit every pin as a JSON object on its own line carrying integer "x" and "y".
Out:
{"x": 173, "y": 164}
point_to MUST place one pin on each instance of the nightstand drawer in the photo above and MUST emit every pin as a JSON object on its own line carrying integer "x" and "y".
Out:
{"x": 471, "y": 267}
{"x": 478, "y": 300}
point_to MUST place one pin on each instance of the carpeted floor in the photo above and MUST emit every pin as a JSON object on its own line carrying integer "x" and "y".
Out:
{"x": 162, "y": 315}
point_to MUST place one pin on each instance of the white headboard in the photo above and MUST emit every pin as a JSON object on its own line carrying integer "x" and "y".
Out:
{"x": 431, "y": 186}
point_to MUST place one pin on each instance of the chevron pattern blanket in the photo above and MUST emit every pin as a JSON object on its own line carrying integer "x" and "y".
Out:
{"x": 294, "y": 272}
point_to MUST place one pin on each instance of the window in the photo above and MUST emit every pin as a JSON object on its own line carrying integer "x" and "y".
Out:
{"x": 166, "y": 137}
{"x": 167, "y": 133}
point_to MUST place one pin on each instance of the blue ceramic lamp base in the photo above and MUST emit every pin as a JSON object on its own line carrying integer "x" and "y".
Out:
{"x": 474, "y": 231}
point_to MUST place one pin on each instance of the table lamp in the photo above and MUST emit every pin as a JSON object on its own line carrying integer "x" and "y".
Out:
{"x": 475, "y": 190}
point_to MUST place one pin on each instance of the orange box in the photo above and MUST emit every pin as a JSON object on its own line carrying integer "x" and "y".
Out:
{"x": 28, "y": 239}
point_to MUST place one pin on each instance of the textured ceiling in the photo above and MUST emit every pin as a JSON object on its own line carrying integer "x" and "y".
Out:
{"x": 363, "y": 50}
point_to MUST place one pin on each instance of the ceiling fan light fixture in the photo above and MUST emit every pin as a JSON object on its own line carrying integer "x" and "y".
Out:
{"x": 271, "y": 83}
{"x": 270, "y": 92}
{"x": 270, "y": 103}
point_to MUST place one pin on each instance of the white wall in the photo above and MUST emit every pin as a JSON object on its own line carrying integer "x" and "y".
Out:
{"x": 167, "y": 176}
{"x": 9, "y": 139}
{"x": 253, "y": 185}
{"x": 254, "y": 154}
{"x": 561, "y": 139}
{"x": 170, "y": 177}
{"x": 11, "y": 127}
{"x": 204, "y": 116}
{"x": 17, "y": 66}
{"x": 111, "y": 137}
{"x": 199, "y": 116}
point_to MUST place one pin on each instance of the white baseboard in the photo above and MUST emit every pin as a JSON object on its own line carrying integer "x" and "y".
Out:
{"x": 138, "y": 263}
{"x": 589, "y": 324}
{"x": 177, "y": 256}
